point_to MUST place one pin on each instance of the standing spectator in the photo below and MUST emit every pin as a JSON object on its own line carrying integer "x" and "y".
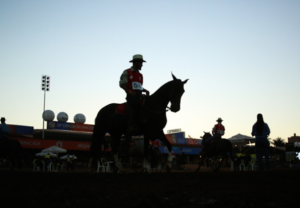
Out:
{"x": 47, "y": 160}
{"x": 155, "y": 144}
{"x": 4, "y": 130}
{"x": 68, "y": 162}
{"x": 261, "y": 131}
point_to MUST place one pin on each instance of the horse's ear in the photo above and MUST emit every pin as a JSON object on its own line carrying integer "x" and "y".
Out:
{"x": 185, "y": 81}
{"x": 174, "y": 78}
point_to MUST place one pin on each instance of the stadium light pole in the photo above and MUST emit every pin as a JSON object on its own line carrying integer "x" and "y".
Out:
{"x": 45, "y": 87}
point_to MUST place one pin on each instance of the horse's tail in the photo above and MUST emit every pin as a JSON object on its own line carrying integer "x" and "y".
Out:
{"x": 102, "y": 124}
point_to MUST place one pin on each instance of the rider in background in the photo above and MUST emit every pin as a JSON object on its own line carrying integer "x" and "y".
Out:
{"x": 155, "y": 144}
{"x": 4, "y": 130}
{"x": 131, "y": 82}
{"x": 218, "y": 131}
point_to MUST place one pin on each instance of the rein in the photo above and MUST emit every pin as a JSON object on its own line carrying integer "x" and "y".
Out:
{"x": 153, "y": 111}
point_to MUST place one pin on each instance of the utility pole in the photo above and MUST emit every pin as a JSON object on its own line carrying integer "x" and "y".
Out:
{"x": 45, "y": 87}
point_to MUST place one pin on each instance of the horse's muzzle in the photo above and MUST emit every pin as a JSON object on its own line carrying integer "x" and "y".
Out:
{"x": 175, "y": 108}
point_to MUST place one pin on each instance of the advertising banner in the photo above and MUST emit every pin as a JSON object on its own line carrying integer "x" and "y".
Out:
{"x": 194, "y": 141}
{"x": 185, "y": 150}
{"x": 69, "y": 126}
{"x": 22, "y": 130}
{"x": 176, "y": 138}
{"x": 43, "y": 144}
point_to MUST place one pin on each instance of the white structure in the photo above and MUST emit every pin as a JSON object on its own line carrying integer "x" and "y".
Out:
{"x": 48, "y": 115}
{"x": 79, "y": 118}
{"x": 62, "y": 117}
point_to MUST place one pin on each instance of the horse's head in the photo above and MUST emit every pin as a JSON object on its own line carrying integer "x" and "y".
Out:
{"x": 176, "y": 93}
{"x": 206, "y": 136}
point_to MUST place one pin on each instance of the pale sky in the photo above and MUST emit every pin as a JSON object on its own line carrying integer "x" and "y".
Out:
{"x": 241, "y": 58}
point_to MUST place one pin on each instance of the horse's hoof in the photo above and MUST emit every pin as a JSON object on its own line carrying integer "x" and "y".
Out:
{"x": 168, "y": 169}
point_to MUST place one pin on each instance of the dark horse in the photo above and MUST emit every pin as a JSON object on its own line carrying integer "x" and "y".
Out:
{"x": 12, "y": 150}
{"x": 218, "y": 147}
{"x": 152, "y": 121}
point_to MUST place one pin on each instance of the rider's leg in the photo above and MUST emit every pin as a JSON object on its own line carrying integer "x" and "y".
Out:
{"x": 132, "y": 108}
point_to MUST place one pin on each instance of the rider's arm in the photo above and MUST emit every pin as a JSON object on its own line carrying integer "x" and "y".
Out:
{"x": 213, "y": 130}
{"x": 146, "y": 91}
{"x": 124, "y": 82}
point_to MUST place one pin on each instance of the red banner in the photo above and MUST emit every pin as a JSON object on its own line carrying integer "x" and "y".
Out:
{"x": 43, "y": 144}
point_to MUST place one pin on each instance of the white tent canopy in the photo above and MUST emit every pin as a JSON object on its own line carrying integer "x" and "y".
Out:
{"x": 55, "y": 149}
{"x": 239, "y": 138}
{"x": 45, "y": 153}
{"x": 70, "y": 156}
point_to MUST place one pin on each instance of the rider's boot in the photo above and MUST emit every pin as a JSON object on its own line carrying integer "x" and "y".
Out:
{"x": 132, "y": 128}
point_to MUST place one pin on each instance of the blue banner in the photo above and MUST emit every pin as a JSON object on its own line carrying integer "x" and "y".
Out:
{"x": 185, "y": 150}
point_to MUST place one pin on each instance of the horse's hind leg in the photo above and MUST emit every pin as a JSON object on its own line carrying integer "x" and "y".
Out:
{"x": 200, "y": 163}
{"x": 96, "y": 145}
{"x": 218, "y": 167}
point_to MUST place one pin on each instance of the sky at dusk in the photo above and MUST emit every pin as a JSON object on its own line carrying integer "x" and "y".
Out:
{"x": 241, "y": 59}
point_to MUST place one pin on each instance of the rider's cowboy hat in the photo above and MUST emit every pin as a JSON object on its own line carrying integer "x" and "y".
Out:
{"x": 219, "y": 119}
{"x": 137, "y": 57}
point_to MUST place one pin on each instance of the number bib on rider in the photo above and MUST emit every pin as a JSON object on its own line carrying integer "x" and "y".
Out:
{"x": 137, "y": 86}
{"x": 220, "y": 132}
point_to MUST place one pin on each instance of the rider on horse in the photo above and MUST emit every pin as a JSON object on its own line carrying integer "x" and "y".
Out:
{"x": 217, "y": 131}
{"x": 131, "y": 82}
{"x": 4, "y": 130}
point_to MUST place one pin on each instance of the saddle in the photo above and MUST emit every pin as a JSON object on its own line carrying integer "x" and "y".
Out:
{"x": 121, "y": 108}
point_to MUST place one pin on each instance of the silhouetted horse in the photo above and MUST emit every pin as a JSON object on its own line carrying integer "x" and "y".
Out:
{"x": 151, "y": 124}
{"x": 218, "y": 147}
{"x": 12, "y": 150}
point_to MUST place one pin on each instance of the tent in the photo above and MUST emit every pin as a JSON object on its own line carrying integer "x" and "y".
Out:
{"x": 70, "y": 156}
{"x": 45, "y": 153}
{"x": 240, "y": 138}
{"x": 55, "y": 149}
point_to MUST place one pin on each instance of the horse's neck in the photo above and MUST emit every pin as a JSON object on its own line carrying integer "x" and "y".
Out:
{"x": 160, "y": 99}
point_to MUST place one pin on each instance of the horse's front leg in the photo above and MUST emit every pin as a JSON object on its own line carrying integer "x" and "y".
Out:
{"x": 146, "y": 153}
{"x": 115, "y": 149}
{"x": 164, "y": 140}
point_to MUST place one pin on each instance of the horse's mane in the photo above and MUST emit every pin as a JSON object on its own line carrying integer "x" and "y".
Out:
{"x": 163, "y": 87}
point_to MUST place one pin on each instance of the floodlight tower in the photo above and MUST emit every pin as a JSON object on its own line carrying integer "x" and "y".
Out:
{"x": 45, "y": 87}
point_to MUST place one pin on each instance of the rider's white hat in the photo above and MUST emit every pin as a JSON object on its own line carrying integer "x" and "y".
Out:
{"x": 219, "y": 119}
{"x": 137, "y": 57}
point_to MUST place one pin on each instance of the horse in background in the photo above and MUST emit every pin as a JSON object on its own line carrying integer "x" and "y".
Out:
{"x": 217, "y": 147}
{"x": 12, "y": 150}
{"x": 152, "y": 121}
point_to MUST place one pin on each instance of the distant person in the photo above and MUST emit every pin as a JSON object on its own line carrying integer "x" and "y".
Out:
{"x": 4, "y": 130}
{"x": 261, "y": 131}
{"x": 68, "y": 162}
{"x": 38, "y": 163}
{"x": 155, "y": 144}
{"x": 218, "y": 131}
{"x": 47, "y": 160}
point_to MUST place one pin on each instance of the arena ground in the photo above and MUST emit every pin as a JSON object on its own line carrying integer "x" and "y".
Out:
{"x": 180, "y": 188}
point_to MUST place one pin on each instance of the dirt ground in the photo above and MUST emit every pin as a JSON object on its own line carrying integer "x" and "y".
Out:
{"x": 180, "y": 188}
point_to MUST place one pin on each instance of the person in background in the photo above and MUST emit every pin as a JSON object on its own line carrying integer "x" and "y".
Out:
{"x": 218, "y": 131}
{"x": 155, "y": 144}
{"x": 47, "y": 160}
{"x": 68, "y": 162}
{"x": 4, "y": 130}
{"x": 261, "y": 131}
